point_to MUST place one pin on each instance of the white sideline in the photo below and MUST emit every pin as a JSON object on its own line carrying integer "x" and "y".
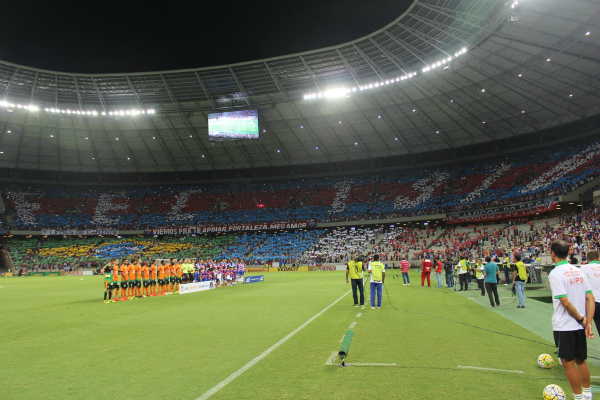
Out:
{"x": 331, "y": 357}
{"x": 358, "y": 315}
{"x": 352, "y": 325}
{"x": 491, "y": 369}
{"x": 265, "y": 353}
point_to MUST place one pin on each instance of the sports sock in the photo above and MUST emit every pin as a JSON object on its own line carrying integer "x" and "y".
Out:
{"x": 110, "y": 294}
{"x": 104, "y": 295}
{"x": 587, "y": 392}
{"x": 579, "y": 396}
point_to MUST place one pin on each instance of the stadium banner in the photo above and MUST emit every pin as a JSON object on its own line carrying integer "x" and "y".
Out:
{"x": 327, "y": 268}
{"x": 259, "y": 269}
{"x": 253, "y": 279}
{"x": 195, "y": 287}
{"x": 192, "y": 230}
{"x": 8, "y": 274}
{"x": 340, "y": 267}
{"x": 76, "y": 232}
{"x": 289, "y": 269}
{"x": 88, "y": 273}
{"x": 38, "y": 273}
{"x": 515, "y": 210}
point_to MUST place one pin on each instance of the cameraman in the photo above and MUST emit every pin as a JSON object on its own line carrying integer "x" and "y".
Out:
{"x": 355, "y": 269}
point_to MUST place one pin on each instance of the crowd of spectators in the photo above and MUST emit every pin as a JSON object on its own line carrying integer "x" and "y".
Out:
{"x": 359, "y": 197}
{"x": 531, "y": 238}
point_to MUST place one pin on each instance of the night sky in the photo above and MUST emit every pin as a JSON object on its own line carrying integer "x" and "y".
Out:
{"x": 136, "y": 36}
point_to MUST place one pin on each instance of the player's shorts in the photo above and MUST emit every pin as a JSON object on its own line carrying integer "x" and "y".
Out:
{"x": 153, "y": 282}
{"x": 571, "y": 345}
{"x": 138, "y": 283}
{"x": 179, "y": 280}
{"x": 146, "y": 282}
{"x": 131, "y": 284}
{"x": 124, "y": 284}
{"x": 173, "y": 279}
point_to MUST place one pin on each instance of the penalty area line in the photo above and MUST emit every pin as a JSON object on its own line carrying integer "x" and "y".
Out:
{"x": 265, "y": 353}
{"x": 490, "y": 369}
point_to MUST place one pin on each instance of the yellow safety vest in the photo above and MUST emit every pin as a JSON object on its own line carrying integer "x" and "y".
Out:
{"x": 377, "y": 270}
{"x": 355, "y": 268}
{"x": 522, "y": 271}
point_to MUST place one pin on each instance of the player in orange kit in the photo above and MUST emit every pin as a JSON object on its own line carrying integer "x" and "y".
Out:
{"x": 153, "y": 279}
{"x": 178, "y": 275}
{"x": 124, "y": 280}
{"x": 161, "y": 279}
{"x": 146, "y": 279}
{"x": 138, "y": 278}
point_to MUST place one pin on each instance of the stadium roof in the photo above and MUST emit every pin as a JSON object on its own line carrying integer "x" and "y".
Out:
{"x": 407, "y": 88}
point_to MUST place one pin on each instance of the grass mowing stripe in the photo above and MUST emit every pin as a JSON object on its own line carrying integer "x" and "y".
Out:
{"x": 254, "y": 361}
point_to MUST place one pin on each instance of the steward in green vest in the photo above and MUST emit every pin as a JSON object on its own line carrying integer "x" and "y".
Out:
{"x": 519, "y": 279}
{"x": 355, "y": 269}
{"x": 377, "y": 271}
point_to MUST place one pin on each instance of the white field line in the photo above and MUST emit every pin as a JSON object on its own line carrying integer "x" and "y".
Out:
{"x": 594, "y": 377}
{"x": 352, "y": 325}
{"x": 373, "y": 364}
{"x": 490, "y": 369}
{"x": 331, "y": 357}
{"x": 342, "y": 339}
{"x": 358, "y": 315}
{"x": 265, "y": 353}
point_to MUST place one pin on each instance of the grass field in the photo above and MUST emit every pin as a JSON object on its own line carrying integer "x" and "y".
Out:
{"x": 233, "y": 125}
{"x": 60, "y": 341}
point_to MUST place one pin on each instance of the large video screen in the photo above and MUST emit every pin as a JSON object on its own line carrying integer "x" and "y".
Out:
{"x": 235, "y": 125}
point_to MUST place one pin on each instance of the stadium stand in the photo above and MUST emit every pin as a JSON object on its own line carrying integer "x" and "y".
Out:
{"x": 367, "y": 196}
{"x": 304, "y": 247}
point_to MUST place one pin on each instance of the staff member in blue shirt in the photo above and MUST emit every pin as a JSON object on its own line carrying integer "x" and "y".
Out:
{"x": 490, "y": 273}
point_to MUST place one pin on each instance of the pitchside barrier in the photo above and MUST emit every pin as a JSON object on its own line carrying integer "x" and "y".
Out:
{"x": 254, "y": 279}
{"x": 195, "y": 287}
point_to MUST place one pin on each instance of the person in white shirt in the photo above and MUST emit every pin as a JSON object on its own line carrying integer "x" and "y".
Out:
{"x": 592, "y": 271}
{"x": 574, "y": 308}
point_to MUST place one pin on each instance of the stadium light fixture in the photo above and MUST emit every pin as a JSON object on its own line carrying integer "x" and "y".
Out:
{"x": 8, "y": 131}
{"x": 571, "y": 95}
{"x": 588, "y": 33}
{"x": 520, "y": 75}
{"x": 549, "y": 59}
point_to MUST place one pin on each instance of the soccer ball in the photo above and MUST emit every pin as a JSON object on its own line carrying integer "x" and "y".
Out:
{"x": 545, "y": 361}
{"x": 554, "y": 392}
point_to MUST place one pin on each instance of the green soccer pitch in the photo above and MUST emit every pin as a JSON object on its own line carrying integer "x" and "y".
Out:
{"x": 233, "y": 125}
{"x": 269, "y": 340}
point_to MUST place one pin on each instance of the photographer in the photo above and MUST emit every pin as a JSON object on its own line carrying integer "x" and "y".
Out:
{"x": 355, "y": 269}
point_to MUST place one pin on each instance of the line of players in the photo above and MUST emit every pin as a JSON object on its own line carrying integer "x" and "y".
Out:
{"x": 136, "y": 278}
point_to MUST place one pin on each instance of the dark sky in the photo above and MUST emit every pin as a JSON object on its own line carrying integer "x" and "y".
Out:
{"x": 136, "y": 36}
